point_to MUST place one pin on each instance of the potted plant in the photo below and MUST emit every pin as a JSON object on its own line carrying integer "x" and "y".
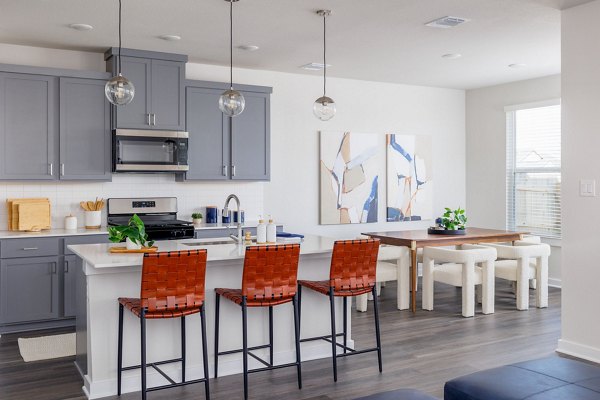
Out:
{"x": 452, "y": 222}
{"x": 197, "y": 218}
{"x": 134, "y": 234}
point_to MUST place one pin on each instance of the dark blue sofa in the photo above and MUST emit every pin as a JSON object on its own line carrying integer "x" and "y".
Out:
{"x": 552, "y": 378}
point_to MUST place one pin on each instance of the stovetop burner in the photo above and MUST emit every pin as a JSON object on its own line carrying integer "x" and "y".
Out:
{"x": 158, "y": 214}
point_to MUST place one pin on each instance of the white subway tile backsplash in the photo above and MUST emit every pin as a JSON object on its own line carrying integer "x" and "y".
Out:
{"x": 192, "y": 197}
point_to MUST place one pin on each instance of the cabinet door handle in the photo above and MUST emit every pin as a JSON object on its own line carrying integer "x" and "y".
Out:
{"x": 51, "y": 169}
{"x": 66, "y": 267}
{"x": 54, "y": 268}
{"x": 62, "y": 169}
{"x": 153, "y": 119}
{"x": 29, "y": 248}
{"x": 148, "y": 115}
{"x": 233, "y": 170}
{"x": 224, "y": 170}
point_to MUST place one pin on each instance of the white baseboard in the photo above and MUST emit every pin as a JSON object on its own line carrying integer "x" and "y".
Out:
{"x": 578, "y": 350}
{"x": 553, "y": 282}
{"x": 228, "y": 365}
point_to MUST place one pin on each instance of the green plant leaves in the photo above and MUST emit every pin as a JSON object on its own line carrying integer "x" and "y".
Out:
{"x": 135, "y": 231}
{"x": 454, "y": 219}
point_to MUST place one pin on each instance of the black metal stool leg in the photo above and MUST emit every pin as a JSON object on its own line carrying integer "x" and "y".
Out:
{"x": 333, "y": 337}
{"x": 271, "y": 335}
{"x": 120, "y": 350}
{"x": 183, "y": 349}
{"x": 377, "y": 330}
{"x": 299, "y": 308}
{"x": 245, "y": 345}
{"x": 297, "y": 339}
{"x": 143, "y": 351}
{"x": 217, "y": 306}
{"x": 345, "y": 323}
{"x": 205, "y": 352}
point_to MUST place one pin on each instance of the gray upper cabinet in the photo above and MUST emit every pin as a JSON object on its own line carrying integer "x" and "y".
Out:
{"x": 250, "y": 139}
{"x": 208, "y": 151}
{"x": 222, "y": 148}
{"x": 85, "y": 141}
{"x": 159, "y": 98}
{"x": 28, "y": 126}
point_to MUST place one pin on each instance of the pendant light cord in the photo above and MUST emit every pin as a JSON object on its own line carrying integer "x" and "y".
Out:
{"x": 324, "y": 55}
{"x": 230, "y": 44}
{"x": 120, "y": 6}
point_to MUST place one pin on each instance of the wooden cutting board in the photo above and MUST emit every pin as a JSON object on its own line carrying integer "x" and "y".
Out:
{"x": 123, "y": 250}
{"x": 33, "y": 216}
{"x": 13, "y": 212}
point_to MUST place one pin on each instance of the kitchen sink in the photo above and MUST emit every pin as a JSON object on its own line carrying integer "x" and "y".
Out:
{"x": 209, "y": 243}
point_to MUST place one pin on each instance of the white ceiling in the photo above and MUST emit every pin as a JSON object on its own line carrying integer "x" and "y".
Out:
{"x": 381, "y": 40}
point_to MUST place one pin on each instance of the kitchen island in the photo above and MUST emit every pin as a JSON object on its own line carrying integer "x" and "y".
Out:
{"x": 103, "y": 277}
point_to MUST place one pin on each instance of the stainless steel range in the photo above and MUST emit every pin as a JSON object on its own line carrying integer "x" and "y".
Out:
{"x": 158, "y": 213}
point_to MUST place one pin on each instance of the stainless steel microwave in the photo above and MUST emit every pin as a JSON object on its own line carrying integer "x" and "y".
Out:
{"x": 150, "y": 151}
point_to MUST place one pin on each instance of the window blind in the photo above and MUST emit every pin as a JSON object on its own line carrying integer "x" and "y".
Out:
{"x": 533, "y": 168}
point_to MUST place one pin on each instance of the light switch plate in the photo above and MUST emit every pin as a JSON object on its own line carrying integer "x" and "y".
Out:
{"x": 587, "y": 187}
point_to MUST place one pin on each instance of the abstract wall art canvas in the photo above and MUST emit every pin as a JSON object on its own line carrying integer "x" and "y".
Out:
{"x": 350, "y": 169}
{"x": 409, "y": 179}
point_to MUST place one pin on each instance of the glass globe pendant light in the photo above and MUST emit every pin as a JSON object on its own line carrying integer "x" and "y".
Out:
{"x": 231, "y": 102}
{"x": 119, "y": 90}
{"x": 324, "y": 107}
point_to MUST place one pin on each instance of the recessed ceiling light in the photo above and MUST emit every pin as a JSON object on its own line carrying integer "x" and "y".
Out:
{"x": 170, "y": 38}
{"x": 447, "y": 22}
{"x": 314, "y": 66}
{"x": 452, "y": 56}
{"x": 517, "y": 65}
{"x": 248, "y": 47}
{"x": 81, "y": 27}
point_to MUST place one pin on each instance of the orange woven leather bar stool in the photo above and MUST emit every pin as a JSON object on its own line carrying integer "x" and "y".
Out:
{"x": 352, "y": 273}
{"x": 269, "y": 279}
{"x": 172, "y": 287}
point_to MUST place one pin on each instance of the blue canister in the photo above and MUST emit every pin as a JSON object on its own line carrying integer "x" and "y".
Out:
{"x": 211, "y": 214}
{"x": 238, "y": 216}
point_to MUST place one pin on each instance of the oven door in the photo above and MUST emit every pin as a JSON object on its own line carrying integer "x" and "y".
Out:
{"x": 149, "y": 151}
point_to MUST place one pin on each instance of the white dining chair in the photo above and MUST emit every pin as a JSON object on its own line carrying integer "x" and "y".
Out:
{"x": 393, "y": 264}
{"x": 465, "y": 268}
{"x": 526, "y": 263}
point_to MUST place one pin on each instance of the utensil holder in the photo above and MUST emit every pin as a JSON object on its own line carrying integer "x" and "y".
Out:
{"x": 93, "y": 219}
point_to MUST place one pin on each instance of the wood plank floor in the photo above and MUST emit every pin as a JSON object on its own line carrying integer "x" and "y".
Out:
{"x": 421, "y": 351}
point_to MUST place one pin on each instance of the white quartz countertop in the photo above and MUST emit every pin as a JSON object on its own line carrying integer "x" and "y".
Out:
{"x": 98, "y": 256}
{"x": 52, "y": 232}
{"x": 233, "y": 225}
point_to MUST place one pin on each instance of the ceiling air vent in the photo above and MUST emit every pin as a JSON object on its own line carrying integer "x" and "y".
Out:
{"x": 446, "y": 22}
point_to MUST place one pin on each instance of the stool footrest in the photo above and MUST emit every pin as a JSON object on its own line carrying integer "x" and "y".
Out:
{"x": 327, "y": 338}
{"x": 176, "y": 385}
{"x": 150, "y": 364}
{"x": 355, "y": 352}
{"x": 224, "y": 353}
{"x": 272, "y": 367}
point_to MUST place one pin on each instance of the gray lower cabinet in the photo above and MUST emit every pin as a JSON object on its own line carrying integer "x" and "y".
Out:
{"x": 28, "y": 127}
{"x": 85, "y": 136}
{"x": 222, "y": 148}
{"x": 29, "y": 289}
{"x": 69, "y": 286}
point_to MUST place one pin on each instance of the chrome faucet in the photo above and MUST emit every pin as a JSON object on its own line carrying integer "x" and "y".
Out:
{"x": 238, "y": 238}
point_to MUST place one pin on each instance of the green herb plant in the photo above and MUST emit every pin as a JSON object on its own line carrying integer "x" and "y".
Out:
{"x": 197, "y": 215}
{"x": 454, "y": 219}
{"x": 134, "y": 230}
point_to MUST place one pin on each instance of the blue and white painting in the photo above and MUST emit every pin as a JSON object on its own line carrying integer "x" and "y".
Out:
{"x": 350, "y": 169}
{"x": 409, "y": 179}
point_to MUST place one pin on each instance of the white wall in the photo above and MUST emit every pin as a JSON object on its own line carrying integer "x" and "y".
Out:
{"x": 292, "y": 195}
{"x": 486, "y": 152}
{"x": 581, "y": 216}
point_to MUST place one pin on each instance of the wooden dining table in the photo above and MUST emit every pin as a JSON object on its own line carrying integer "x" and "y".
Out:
{"x": 416, "y": 239}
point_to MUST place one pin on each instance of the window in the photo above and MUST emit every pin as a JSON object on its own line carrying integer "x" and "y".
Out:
{"x": 533, "y": 168}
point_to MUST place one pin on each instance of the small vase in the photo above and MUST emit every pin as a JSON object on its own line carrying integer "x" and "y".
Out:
{"x": 93, "y": 219}
{"x": 131, "y": 245}
{"x": 197, "y": 221}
